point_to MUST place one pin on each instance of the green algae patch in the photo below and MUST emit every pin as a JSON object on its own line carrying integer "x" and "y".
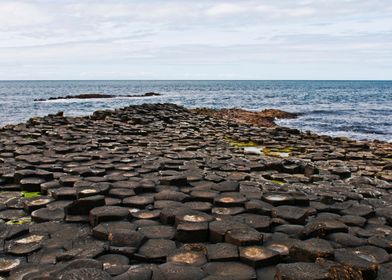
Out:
{"x": 20, "y": 221}
{"x": 272, "y": 152}
{"x": 288, "y": 149}
{"x": 254, "y": 148}
{"x": 31, "y": 194}
{"x": 239, "y": 144}
{"x": 277, "y": 182}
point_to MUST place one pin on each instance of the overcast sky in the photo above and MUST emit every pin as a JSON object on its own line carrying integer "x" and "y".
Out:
{"x": 195, "y": 39}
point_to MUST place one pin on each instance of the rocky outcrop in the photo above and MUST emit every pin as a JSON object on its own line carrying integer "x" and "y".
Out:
{"x": 98, "y": 96}
{"x": 263, "y": 118}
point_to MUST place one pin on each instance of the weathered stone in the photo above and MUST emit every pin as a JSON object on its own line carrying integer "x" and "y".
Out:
{"x": 156, "y": 250}
{"x": 222, "y": 252}
{"x": 158, "y": 231}
{"x": 244, "y": 237}
{"x": 25, "y": 245}
{"x": 188, "y": 256}
{"x": 126, "y": 238}
{"x": 104, "y": 229}
{"x": 301, "y": 271}
{"x": 257, "y": 256}
{"x": 192, "y": 232}
{"x": 322, "y": 227}
{"x": 46, "y": 215}
{"x": 229, "y": 270}
{"x": 138, "y": 201}
{"x": 108, "y": 213}
{"x": 291, "y": 214}
{"x": 86, "y": 273}
{"x": 311, "y": 249}
{"x": 83, "y": 206}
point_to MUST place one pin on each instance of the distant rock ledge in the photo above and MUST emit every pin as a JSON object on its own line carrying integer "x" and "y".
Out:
{"x": 97, "y": 95}
{"x": 265, "y": 118}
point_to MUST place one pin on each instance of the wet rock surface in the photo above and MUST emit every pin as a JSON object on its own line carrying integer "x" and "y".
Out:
{"x": 162, "y": 192}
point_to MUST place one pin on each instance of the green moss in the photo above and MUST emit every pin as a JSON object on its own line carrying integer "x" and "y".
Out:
{"x": 21, "y": 221}
{"x": 239, "y": 144}
{"x": 288, "y": 149}
{"x": 388, "y": 159}
{"x": 31, "y": 194}
{"x": 278, "y": 182}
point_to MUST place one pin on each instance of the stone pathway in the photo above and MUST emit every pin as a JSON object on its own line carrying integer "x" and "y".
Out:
{"x": 160, "y": 192}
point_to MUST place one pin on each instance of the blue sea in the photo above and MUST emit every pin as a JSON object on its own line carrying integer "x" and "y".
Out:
{"x": 356, "y": 109}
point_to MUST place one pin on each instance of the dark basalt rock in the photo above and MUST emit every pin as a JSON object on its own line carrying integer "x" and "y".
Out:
{"x": 259, "y": 207}
{"x": 158, "y": 231}
{"x": 301, "y": 271}
{"x": 142, "y": 272}
{"x": 188, "y": 256}
{"x": 258, "y": 222}
{"x": 361, "y": 261}
{"x": 192, "y": 232}
{"x": 104, "y": 229}
{"x": 138, "y": 201}
{"x": 111, "y": 261}
{"x": 126, "y": 238}
{"x": 244, "y": 237}
{"x": 12, "y": 214}
{"x": 32, "y": 184}
{"x": 173, "y": 271}
{"x": 291, "y": 214}
{"x": 108, "y": 213}
{"x": 45, "y": 215}
{"x": 158, "y": 183}
{"x": 229, "y": 270}
{"x": 218, "y": 229}
{"x": 121, "y": 192}
{"x": 321, "y": 227}
{"x": 294, "y": 231}
{"x": 311, "y": 249}
{"x": 83, "y": 206}
{"x": 228, "y": 199}
{"x": 277, "y": 199}
{"x": 97, "y": 96}
{"x": 257, "y": 256}
{"x": 25, "y": 245}
{"x": 8, "y": 264}
{"x": 346, "y": 240}
{"x": 222, "y": 252}
{"x": 86, "y": 273}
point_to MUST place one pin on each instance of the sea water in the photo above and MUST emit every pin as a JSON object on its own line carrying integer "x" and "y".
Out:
{"x": 356, "y": 109}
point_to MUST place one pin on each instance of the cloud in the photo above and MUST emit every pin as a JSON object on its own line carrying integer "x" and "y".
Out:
{"x": 226, "y": 9}
{"x": 17, "y": 14}
{"x": 220, "y": 38}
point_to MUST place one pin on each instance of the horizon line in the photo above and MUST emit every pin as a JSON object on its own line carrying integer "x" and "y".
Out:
{"x": 59, "y": 80}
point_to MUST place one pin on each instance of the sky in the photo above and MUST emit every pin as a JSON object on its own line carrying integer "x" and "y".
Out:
{"x": 195, "y": 39}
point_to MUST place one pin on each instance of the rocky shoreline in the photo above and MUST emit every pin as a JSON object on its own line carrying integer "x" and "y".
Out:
{"x": 162, "y": 192}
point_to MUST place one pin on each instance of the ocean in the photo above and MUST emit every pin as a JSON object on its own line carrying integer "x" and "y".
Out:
{"x": 356, "y": 109}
